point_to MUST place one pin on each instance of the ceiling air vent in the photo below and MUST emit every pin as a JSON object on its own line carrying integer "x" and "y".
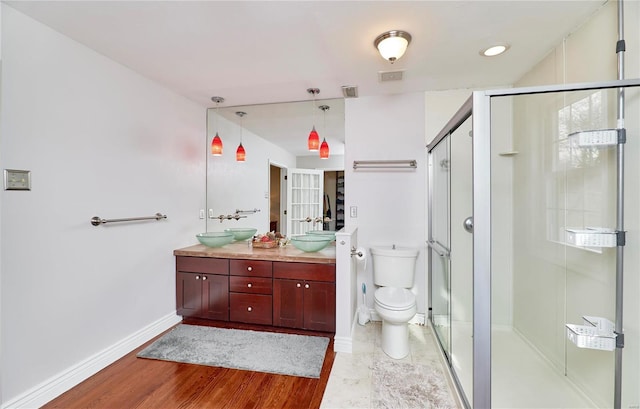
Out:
{"x": 350, "y": 91}
{"x": 384, "y": 76}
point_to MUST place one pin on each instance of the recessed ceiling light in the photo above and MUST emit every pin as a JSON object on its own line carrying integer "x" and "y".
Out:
{"x": 494, "y": 50}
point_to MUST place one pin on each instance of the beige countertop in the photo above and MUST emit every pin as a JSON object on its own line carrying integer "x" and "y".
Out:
{"x": 241, "y": 250}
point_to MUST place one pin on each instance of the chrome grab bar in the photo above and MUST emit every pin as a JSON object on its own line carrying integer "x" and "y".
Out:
{"x": 385, "y": 164}
{"x": 441, "y": 250}
{"x": 97, "y": 221}
{"x": 254, "y": 210}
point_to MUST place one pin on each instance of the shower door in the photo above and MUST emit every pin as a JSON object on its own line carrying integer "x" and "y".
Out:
{"x": 439, "y": 160}
{"x": 450, "y": 243}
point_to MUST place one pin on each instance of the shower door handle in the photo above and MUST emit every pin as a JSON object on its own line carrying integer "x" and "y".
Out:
{"x": 468, "y": 224}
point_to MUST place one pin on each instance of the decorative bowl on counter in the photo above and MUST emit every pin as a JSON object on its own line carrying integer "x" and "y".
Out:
{"x": 215, "y": 238}
{"x": 311, "y": 243}
{"x": 327, "y": 233}
{"x": 241, "y": 233}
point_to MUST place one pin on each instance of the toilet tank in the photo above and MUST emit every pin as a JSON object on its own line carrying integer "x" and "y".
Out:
{"x": 394, "y": 266}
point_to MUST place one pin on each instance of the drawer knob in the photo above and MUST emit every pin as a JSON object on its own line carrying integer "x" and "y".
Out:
{"x": 298, "y": 285}
{"x": 306, "y": 286}
{"x": 204, "y": 278}
{"x": 249, "y": 268}
{"x": 249, "y": 309}
{"x": 197, "y": 277}
{"x": 249, "y": 285}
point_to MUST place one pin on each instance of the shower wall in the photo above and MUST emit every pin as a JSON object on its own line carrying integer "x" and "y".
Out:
{"x": 557, "y": 187}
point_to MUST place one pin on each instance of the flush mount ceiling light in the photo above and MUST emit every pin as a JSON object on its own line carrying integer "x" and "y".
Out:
{"x": 494, "y": 50}
{"x": 392, "y": 44}
{"x": 216, "y": 142}
{"x": 240, "y": 152}
{"x": 313, "y": 142}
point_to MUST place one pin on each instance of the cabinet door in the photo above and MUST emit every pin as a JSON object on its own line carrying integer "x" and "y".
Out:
{"x": 320, "y": 306}
{"x": 188, "y": 294}
{"x": 288, "y": 303}
{"x": 215, "y": 297}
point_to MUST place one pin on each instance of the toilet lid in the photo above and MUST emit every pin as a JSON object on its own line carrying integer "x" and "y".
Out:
{"x": 395, "y": 298}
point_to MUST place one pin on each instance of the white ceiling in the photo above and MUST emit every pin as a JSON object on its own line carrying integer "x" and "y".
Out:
{"x": 253, "y": 52}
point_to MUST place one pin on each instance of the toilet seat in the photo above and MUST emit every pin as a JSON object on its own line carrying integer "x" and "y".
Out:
{"x": 395, "y": 299}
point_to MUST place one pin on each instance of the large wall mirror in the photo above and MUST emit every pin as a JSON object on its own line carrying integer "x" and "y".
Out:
{"x": 281, "y": 185}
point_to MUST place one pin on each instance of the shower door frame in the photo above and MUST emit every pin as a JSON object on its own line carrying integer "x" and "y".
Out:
{"x": 478, "y": 106}
{"x": 463, "y": 113}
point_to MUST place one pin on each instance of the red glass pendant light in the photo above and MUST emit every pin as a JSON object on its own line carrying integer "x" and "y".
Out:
{"x": 216, "y": 142}
{"x": 216, "y": 146}
{"x": 241, "y": 154}
{"x": 324, "y": 149}
{"x": 313, "y": 142}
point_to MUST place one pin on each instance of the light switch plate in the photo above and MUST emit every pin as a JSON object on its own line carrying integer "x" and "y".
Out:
{"x": 17, "y": 179}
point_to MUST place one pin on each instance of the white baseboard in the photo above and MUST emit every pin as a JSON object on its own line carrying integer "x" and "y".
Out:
{"x": 67, "y": 379}
{"x": 343, "y": 344}
{"x": 419, "y": 318}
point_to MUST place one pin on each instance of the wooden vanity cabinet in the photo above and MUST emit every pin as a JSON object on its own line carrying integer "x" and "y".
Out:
{"x": 275, "y": 293}
{"x": 304, "y": 296}
{"x": 251, "y": 288}
{"x": 202, "y": 288}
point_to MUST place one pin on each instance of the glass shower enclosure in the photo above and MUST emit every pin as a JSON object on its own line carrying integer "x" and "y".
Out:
{"x": 529, "y": 279}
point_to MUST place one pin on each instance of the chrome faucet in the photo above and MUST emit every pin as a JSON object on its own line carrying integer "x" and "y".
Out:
{"x": 230, "y": 216}
{"x": 318, "y": 219}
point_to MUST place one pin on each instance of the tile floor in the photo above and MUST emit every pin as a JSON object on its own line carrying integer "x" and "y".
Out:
{"x": 350, "y": 382}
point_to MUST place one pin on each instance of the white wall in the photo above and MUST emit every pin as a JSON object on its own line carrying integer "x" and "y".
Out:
{"x": 348, "y": 295}
{"x": 334, "y": 162}
{"x": 99, "y": 140}
{"x": 391, "y": 207}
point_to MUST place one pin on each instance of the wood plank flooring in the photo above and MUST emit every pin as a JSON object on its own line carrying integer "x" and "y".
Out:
{"x": 144, "y": 383}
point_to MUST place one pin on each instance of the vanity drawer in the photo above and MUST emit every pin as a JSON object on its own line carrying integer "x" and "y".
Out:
{"x": 251, "y": 308}
{"x": 304, "y": 271}
{"x": 254, "y": 285}
{"x": 253, "y": 268}
{"x": 202, "y": 265}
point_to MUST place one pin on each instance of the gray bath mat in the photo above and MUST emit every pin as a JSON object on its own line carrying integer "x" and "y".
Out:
{"x": 286, "y": 354}
{"x": 403, "y": 385}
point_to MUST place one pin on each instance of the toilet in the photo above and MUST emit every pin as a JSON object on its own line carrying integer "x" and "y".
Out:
{"x": 395, "y": 303}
